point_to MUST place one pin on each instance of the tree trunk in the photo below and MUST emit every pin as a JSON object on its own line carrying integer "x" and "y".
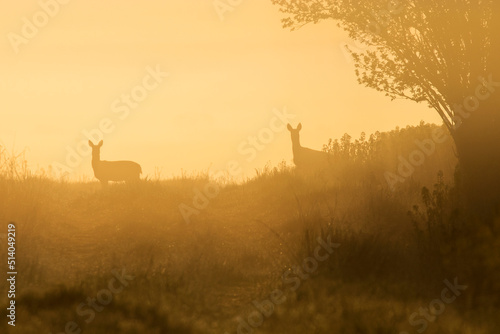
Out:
{"x": 478, "y": 138}
{"x": 478, "y": 146}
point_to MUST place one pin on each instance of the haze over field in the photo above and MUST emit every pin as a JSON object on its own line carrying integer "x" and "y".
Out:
{"x": 225, "y": 78}
{"x": 229, "y": 166}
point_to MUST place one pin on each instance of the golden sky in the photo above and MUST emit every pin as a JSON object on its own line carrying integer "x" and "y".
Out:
{"x": 226, "y": 81}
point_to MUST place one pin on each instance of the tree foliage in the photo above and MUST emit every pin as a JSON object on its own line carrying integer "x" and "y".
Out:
{"x": 441, "y": 52}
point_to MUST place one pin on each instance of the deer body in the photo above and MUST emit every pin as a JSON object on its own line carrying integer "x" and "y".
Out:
{"x": 106, "y": 171}
{"x": 306, "y": 158}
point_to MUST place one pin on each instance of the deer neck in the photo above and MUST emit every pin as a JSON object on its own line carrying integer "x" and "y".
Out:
{"x": 295, "y": 145}
{"x": 96, "y": 160}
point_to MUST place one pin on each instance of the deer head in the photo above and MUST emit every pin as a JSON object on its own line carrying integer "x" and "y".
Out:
{"x": 96, "y": 150}
{"x": 295, "y": 134}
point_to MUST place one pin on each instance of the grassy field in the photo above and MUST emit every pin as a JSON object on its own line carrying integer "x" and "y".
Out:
{"x": 124, "y": 260}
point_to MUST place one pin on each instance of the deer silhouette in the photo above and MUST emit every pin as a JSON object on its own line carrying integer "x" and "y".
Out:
{"x": 106, "y": 171}
{"x": 305, "y": 158}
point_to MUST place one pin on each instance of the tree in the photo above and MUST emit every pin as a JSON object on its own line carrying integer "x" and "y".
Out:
{"x": 445, "y": 53}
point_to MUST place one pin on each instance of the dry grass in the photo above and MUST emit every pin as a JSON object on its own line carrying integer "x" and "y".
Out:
{"x": 202, "y": 277}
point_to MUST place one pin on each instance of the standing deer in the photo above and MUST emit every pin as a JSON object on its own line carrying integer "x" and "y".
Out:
{"x": 106, "y": 171}
{"x": 305, "y": 158}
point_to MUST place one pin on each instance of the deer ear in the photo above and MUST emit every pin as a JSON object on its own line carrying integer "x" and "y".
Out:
{"x": 100, "y": 143}
{"x": 289, "y": 127}
{"x": 91, "y": 144}
{"x": 299, "y": 126}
